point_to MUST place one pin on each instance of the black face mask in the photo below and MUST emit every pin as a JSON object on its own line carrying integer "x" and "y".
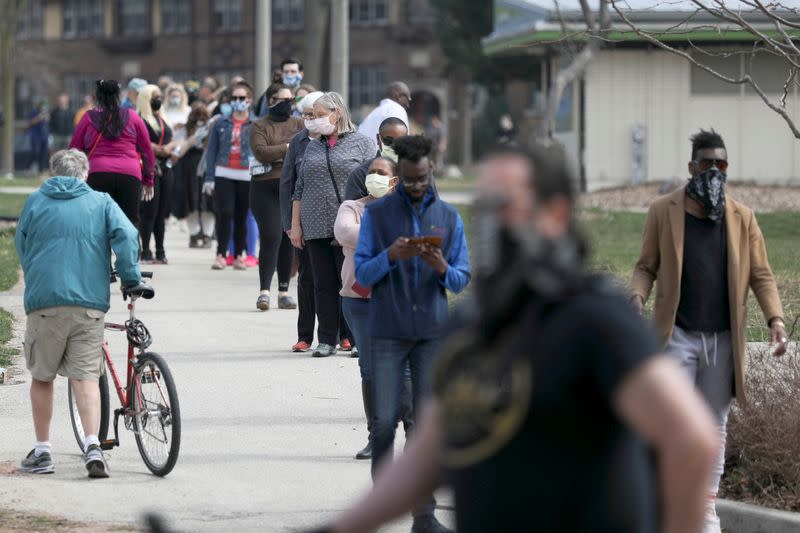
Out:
{"x": 708, "y": 188}
{"x": 514, "y": 264}
{"x": 155, "y": 105}
{"x": 281, "y": 111}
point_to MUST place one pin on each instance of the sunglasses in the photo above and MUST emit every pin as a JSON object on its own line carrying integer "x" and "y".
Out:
{"x": 238, "y": 98}
{"x": 707, "y": 164}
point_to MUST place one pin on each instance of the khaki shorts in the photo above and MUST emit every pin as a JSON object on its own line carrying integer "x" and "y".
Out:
{"x": 64, "y": 340}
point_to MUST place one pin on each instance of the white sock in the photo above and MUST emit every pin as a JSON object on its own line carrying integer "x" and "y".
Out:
{"x": 42, "y": 447}
{"x": 89, "y": 440}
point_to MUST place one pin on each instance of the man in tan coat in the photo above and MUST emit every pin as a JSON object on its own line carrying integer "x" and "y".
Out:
{"x": 706, "y": 250}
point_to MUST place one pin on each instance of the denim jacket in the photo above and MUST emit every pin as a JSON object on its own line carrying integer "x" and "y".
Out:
{"x": 219, "y": 146}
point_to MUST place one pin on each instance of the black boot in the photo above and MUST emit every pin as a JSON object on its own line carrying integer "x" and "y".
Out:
{"x": 428, "y": 524}
{"x": 407, "y": 407}
{"x": 366, "y": 395}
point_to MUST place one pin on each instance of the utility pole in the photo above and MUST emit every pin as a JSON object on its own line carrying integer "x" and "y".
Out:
{"x": 263, "y": 55}
{"x": 340, "y": 46}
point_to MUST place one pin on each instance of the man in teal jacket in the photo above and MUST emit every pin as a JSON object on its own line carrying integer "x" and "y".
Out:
{"x": 64, "y": 240}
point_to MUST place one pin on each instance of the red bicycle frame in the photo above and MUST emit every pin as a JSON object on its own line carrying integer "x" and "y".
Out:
{"x": 122, "y": 392}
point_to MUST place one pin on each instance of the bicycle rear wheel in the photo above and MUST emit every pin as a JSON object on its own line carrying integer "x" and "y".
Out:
{"x": 156, "y": 414}
{"x": 74, "y": 415}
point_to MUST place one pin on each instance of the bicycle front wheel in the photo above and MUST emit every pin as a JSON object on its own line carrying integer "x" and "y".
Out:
{"x": 74, "y": 414}
{"x": 156, "y": 414}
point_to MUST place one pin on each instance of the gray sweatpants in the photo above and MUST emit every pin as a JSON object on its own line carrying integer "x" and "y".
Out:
{"x": 707, "y": 359}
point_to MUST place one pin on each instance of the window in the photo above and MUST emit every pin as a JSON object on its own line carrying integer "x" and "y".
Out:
{"x": 134, "y": 17}
{"x": 705, "y": 83}
{"x": 79, "y": 85}
{"x": 83, "y": 18}
{"x": 770, "y": 73}
{"x": 227, "y": 15}
{"x": 369, "y": 11}
{"x": 176, "y": 16}
{"x": 287, "y": 14}
{"x": 30, "y": 21}
{"x": 367, "y": 85}
{"x": 420, "y": 12}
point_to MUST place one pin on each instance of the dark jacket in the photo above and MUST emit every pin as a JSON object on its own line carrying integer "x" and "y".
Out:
{"x": 410, "y": 295}
{"x": 268, "y": 140}
{"x": 291, "y": 167}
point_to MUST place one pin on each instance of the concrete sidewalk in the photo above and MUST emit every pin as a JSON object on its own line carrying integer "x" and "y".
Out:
{"x": 268, "y": 436}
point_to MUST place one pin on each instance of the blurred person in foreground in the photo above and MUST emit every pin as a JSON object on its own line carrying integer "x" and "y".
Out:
{"x": 117, "y": 143}
{"x": 291, "y": 168}
{"x": 706, "y": 250}
{"x": 589, "y": 428}
{"x": 64, "y": 240}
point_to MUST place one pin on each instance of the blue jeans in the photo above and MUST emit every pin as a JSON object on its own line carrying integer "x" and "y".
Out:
{"x": 390, "y": 357}
{"x": 356, "y": 313}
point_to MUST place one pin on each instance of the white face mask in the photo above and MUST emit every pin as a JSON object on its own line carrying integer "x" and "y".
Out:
{"x": 311, "y": 126}
{"x": 324, "y": 125}
{"x": 378, "y": 185}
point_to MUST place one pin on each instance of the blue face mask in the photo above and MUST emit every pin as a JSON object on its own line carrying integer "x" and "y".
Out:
{"x": 292, "y": 80}
{"x": 239, "y": 106}
{"x": 225, "y": 109}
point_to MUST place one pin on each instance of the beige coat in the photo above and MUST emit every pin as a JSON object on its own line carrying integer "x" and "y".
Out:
{"x": 662, "y": 259}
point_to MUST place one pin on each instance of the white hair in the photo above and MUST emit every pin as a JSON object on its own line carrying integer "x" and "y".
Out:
{"x": 71, "y": 163}
{"x": 310, "y": 99}
{"x": 333, "y": 101}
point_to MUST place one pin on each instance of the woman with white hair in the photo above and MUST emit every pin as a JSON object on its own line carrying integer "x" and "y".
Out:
{"x": 318, "y": 194}
{"x": 156, "y": 211}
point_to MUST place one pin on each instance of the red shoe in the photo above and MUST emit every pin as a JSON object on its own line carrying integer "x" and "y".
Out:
{"x": 345, "y": 345}
{"x": 251, "y": 261}
{"x": 229, "y": 260}
{"x": 301, "y": 346}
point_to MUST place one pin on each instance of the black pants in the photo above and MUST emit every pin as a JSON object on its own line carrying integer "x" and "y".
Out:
{"x": 155, "y": 213}
{"x": 326, "y": 263}
{"x": 124, "y": 189}
{"x": 231, "y": 204}
{"x": 305, "y": 297}
{"x": 275, "y": 247}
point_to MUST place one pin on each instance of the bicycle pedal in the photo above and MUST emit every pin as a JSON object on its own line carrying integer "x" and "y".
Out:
{"x": 109, "y": 444}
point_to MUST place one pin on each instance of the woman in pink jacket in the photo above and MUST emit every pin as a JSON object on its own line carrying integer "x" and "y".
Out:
{"x": 116, "y": 141}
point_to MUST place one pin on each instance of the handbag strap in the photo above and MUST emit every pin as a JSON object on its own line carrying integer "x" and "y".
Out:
{"x": 97, "y": 139}
{"x": 330, "y": 171}
{"x": 161, "y": 125}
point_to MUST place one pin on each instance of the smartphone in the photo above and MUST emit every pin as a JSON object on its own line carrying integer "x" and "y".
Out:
{"x": 432, "y": 240}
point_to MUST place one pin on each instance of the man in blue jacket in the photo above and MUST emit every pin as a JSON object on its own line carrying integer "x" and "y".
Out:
{"x": 409, "y": 280}
{"x": 64, "y": 240}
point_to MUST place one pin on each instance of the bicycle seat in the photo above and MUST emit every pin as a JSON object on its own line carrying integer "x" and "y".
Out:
{"x": 142, "y": 290}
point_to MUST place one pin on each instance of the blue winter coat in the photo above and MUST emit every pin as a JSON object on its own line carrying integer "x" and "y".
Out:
{"x": 64, "y": 240}
{"x": 408, "y": 297}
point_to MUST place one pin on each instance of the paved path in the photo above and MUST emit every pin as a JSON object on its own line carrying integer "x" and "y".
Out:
{"x": 267, "y": 435}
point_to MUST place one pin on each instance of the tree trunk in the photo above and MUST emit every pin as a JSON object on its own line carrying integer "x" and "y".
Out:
{"x": 7, "y": 89}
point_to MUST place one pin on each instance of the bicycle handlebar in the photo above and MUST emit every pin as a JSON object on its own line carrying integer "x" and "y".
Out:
{"x": 148, "y": 275}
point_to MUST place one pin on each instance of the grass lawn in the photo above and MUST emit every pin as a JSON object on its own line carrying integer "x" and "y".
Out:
{"x": 11, "y": 204}
{"x": 9, "y": 275}
{"x": 466, "y": 183}
{"x": 615, "y": 239}
{"x": 20, "y": 181}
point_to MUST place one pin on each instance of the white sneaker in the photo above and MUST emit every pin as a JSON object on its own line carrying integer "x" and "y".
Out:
{"x": 711, "y": 522}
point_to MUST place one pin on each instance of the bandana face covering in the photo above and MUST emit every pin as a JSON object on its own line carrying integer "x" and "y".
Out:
{"x": 708, "y": 188}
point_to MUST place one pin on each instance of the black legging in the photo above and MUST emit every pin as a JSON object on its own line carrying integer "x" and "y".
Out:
{"x": 230, "y": 202}
{"x": 275, "y": 247}
{"x": 124, "y": 189}
{"x": 326, "y": 264}
{"x": 155, "y": 213}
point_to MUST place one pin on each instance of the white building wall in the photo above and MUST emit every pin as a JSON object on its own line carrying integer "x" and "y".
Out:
{"x": 624, "y": 88}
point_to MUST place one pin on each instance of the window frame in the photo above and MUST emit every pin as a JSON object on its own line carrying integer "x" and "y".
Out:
{"x": 367, "y": 84}
{"x": 226, "y": 27}
{"x": 85, "y": 10}
{"x": 148, "y": 17}
{"x": 285, "y": 7}
{"x": 357, "y": 7}
{"x": 177, "y": 12}
{"x": 33, "y": 7}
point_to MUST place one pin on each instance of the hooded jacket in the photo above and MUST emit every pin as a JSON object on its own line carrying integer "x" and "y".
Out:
{"x": 410, "y": 295}
{"x": 64, "y": 240}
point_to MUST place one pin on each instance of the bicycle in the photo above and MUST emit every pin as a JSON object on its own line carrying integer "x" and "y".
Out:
{"x": 149, "y": 399}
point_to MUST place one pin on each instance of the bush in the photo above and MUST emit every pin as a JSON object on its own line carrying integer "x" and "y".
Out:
{"x": 762, "y": 463}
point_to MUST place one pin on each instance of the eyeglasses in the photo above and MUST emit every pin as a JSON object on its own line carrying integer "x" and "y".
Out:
{"x": 706, "y": 164}
{"x": 420, "y": 181}
{"x": 238, "y": 98}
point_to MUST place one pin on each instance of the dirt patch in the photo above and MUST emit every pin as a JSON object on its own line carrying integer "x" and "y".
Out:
{"x": 16, "y": 521}
{"x": 762, "y": 199}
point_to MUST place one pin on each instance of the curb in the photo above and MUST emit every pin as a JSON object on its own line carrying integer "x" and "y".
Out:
{"x": 739, "y": 517}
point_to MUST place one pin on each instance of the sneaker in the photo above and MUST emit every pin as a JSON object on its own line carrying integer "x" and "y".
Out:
{"x": 286, "y": 302}
{"x": 354, "y": 353}
{"x": 301, "y": 346}
{"x": 229, "y": 260}
{"x": 428, "y": 524}
{"x": 96, "y": 461}
{"x": 207, "y": 241}
{"x": 324, "y": 350}
{"x": 161, "y": 259}
{"x": 238, "y": 264}
{"x": 196, "y": 241}
{"x": 42, "y": 464}
{"x": 219, "y": 263}
{"x": 250, "y": 261}
{"x": 345, "y": 345}
{"x": 146, "y": 258}
{"x": 263, "y": 302}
